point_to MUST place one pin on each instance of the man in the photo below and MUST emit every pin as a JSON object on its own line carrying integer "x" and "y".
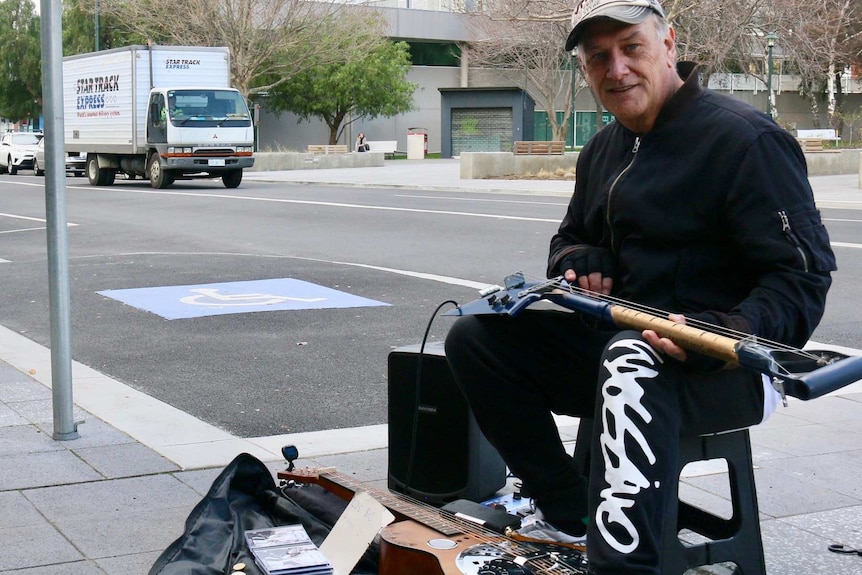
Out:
{"x": 173, "y": 110}
{"x": 690, "y": 202}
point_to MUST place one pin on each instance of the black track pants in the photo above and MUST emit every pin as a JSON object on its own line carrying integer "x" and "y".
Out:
{"x": 516, "y": 371}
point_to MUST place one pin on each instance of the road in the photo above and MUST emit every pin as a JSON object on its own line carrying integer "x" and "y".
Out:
{"x": 289, "y": 367}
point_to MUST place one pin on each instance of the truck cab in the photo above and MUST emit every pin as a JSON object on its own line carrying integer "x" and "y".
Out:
{"x": 194, "y": 130}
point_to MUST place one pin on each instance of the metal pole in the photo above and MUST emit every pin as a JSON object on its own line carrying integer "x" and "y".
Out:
{"x": 769, "y": 83}
{"x": 96, "y": 25}
{"x": 770, "y": 44}
{"x": 55, "y": 215}
{"x": 574, "y": 93}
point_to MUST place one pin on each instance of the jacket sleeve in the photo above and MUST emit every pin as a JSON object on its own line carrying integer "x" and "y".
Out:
{"x": 572, "y": 232}
{"x": 783, "y": 245}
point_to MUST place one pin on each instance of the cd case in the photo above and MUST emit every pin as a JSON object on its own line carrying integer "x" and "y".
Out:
{"x": 286, "y": 550}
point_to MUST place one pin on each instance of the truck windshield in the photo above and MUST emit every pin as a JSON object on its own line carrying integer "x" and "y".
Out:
{"x": 208, "y": 107}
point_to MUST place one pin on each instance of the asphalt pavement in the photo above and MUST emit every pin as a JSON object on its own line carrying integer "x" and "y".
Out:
{"x": 109, "y": 501}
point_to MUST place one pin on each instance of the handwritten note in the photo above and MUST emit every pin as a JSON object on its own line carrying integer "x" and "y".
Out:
{"x": 354, "y": 531}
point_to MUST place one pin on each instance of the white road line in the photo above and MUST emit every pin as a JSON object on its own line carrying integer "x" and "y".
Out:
{"x": 346, "y": 205}
{"x": 845, "y": 245}
{"x": 17, "y": 217}
{"x": 485, "y": 200}
{"x": 23, "y": 230}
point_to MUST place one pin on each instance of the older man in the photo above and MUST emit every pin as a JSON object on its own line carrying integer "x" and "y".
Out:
{"x": 690, "y": 202}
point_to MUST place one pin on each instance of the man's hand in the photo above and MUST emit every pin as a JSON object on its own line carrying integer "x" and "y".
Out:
{"x": 590, "y": 268}
{"x": 663, "y": 344}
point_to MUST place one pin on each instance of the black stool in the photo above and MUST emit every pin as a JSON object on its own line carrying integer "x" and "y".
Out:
{"x": 737, "y": 539}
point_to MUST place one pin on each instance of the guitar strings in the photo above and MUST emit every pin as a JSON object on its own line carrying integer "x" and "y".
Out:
{"x": 559, "y": 283}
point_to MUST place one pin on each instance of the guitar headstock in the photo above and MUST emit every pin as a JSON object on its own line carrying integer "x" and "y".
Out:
{"x": 305, "y": 475}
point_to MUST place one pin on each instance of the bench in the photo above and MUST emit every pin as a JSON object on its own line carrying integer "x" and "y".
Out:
{"x": 810, "y": 144}
{"x": 827, "y": 134}
{"x": 385, "y": 146}
{"x": 545, "y": 148}
{"x": 327, "y": 149}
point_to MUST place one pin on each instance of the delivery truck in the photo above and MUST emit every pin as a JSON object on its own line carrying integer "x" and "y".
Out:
{"x": 164, "y": 113}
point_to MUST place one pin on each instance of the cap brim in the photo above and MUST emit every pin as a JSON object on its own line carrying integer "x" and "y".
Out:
{"x": 625, "y": 14}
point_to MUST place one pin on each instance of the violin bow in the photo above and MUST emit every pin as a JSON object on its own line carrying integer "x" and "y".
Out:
{"x": 804, "y": 374}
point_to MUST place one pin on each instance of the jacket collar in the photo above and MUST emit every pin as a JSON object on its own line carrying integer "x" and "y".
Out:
{"x": 682, "y": 98}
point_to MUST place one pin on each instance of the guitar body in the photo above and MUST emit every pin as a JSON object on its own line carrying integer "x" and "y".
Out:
{"x": 408, "y": 548}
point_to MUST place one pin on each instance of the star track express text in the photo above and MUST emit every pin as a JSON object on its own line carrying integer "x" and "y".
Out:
{"x": 91, "y": 102}
{"x": 181, "y": 63}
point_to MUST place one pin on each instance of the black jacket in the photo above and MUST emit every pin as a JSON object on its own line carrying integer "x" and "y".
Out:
{"x": 709, "y": 214}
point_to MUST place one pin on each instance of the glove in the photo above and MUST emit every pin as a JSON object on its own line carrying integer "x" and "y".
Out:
{"x": 588, "y": 259}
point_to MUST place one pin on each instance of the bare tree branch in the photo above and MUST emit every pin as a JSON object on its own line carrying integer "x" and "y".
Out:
{"x": 269, "y": 40}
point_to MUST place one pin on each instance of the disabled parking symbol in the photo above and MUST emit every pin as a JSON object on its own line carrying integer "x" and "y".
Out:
{"x": 190, "y": 301}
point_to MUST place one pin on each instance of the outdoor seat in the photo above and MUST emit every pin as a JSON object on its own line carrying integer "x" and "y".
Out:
{"x": 707, "y": 538}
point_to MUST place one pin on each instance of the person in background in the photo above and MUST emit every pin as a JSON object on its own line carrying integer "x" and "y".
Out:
{"x": 690, "y": 202}
{"x": 361, "y": 144}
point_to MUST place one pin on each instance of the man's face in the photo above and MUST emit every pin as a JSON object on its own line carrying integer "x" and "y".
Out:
{"x": 630, "y": 69}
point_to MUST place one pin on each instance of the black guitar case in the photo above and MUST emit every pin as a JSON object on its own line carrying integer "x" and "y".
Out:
{"x": 244, "y": 496}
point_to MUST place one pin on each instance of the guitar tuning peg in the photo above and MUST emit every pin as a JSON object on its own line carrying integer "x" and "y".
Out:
{"x": 290, "y": 454}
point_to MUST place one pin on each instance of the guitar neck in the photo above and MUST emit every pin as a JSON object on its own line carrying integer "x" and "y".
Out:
{"x": 345, "y": 486}
{"x": 691, "y": 338}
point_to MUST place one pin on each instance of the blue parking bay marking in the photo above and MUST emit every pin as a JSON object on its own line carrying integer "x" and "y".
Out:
{"x": 183, "y": 302}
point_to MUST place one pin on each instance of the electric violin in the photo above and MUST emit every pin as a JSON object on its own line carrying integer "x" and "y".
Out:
{"x": 804, "y": 374}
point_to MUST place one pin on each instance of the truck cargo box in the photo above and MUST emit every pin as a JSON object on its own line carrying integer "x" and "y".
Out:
{"x": 105, "y": 93}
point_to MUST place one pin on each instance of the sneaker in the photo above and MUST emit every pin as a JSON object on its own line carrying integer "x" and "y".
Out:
{"x": 535, "y": 527}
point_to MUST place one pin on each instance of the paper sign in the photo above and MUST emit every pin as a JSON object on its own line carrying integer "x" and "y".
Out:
{"x": 354, "y": 531}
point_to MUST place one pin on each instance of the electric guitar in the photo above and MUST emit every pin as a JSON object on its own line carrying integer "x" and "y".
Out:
{"x": 804, "y": 374}
{"x": 428, "y": 541}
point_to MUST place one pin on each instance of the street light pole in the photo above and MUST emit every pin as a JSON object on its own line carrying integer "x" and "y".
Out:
{"x": 96, "y": 26}
{"x": 770, "y": 44}
{"x": 574, "y": 64}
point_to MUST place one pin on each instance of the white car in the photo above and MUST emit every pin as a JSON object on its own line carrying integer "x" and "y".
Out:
{"x": 75, "y": 164}
{"x": 18, "y": 150}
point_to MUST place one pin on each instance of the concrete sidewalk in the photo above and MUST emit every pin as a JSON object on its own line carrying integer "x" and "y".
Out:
{"x": 112, "y": 500}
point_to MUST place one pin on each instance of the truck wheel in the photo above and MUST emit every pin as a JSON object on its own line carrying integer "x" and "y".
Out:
{"x": 232, "y": 178}
{"x": 12, "y": 168}
{"x": 98, "y": 176}
{"x": 159, "y": 178}
{"x": 36, "y": 169}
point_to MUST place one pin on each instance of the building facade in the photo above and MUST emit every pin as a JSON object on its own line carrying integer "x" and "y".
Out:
{"x": 433, "y": 27}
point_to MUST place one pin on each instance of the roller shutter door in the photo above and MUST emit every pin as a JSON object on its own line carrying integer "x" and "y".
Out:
{"x": 481, "y": 130}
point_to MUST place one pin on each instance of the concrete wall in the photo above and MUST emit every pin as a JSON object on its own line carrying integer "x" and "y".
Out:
{"x": 833, "y": 163}
{"x": 478, "y": 165}
{"x": 276, "y": 161}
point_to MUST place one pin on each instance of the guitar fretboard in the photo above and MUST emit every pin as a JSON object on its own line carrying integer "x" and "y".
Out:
{"x": 424, "y": 514}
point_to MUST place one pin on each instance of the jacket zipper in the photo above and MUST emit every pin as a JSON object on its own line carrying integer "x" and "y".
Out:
{"x": 614, "y": 184}
{"x": 791, "y": 236}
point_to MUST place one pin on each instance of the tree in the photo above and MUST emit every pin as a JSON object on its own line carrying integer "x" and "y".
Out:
{"x": 20, "y": 44}
{"x": 269, "y": 40}
{"x": 79, "y": 29}
{"x": 363, "y": 86}
{"x": 525, "y": 42}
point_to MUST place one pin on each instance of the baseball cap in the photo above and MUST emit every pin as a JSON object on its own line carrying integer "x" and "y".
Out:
{"x": 628, "y": 11}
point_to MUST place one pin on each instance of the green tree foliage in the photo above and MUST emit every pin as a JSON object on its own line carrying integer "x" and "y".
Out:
{"x": 20, "y": 46}
{"x": 79, "y": 29}
{"x": 363, "y": 86}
